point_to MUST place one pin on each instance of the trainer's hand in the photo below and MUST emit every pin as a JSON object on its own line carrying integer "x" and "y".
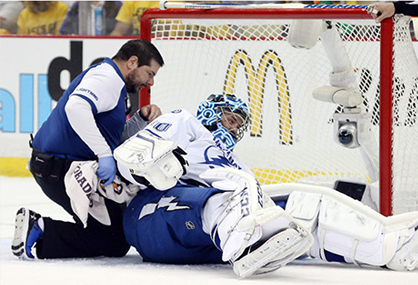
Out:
{"x": 150, "y": 112}
{"x": 382, "y": 11}
{"x": 107, "y": 169}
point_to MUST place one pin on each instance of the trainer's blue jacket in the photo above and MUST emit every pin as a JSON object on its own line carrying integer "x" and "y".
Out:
{"x": 103, "y": 87}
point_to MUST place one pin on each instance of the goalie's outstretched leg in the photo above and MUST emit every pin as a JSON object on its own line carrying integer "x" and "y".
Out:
{"x": 254, "y": 235}
{"x": 346, "y": 230}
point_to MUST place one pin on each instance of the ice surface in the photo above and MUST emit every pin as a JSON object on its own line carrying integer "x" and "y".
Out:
{"x": 18, "y": 192}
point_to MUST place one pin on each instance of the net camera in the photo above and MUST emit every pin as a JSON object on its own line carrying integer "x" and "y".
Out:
{"x": 351, "y": 129}
{"x": 347, "y": 135}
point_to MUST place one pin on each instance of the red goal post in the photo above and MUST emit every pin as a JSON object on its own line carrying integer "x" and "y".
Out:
{"x": 385, "y": 85}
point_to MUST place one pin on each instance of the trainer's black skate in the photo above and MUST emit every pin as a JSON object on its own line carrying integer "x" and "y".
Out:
{"x": 27, "y": 233}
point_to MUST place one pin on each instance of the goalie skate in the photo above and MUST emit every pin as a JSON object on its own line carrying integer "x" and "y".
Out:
{"x": 406, "y": 258}
{"x": 27, "y": 232}
{"x": 276, "y": 252}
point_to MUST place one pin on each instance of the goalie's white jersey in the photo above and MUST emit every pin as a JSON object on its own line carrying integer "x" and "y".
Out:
{"x": 204, "y": 151}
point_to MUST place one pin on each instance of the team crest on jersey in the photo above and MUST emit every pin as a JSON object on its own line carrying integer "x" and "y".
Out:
{"x": 217, "y": 157}
{"x": 162, "y": 127}
{"x": 168, "y": 204}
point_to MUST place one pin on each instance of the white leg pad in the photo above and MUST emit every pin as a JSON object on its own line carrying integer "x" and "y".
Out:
{"x": 248, "y": 216}
{"x": 342, "y": 230}
{"x": 237, "y": 233}
{"x": 242, "y": 215}
{"x": 350, "y": 229}
{"x": 276, "y": 252}
{"x": 359, "y": 237}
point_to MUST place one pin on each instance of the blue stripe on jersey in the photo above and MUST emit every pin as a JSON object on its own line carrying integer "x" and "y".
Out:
{"x": 93, "y": 107}
{"x": 153, "y": 133}
{"x": 56, "y": 137}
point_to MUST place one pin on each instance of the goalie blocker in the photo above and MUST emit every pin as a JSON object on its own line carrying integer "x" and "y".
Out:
{"x": 148, "y": 159}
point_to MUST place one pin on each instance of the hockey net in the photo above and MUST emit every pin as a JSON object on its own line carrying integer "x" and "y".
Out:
{"x": 292, "y": 137}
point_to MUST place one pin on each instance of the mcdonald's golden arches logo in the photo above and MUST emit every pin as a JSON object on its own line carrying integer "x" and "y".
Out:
{"x": 256, "y": 87}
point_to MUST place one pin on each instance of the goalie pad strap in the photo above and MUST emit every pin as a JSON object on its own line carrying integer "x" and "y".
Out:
{"x": 304, "y": 207}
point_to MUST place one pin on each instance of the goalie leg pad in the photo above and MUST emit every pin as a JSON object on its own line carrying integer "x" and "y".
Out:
{"x": 350, "y": 229}
{"x": 249, "y": 216}
{"x": 368, "y": 239}
{"x": 344, "y": 231}
{"x": 274, "y": 253}
{"x": 239, "y": 220}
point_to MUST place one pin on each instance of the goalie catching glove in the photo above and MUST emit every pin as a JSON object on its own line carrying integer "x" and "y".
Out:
{"x": 161, "y": 162}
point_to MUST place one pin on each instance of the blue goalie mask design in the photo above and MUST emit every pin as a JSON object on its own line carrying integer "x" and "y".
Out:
{"x": 226, "y": 116}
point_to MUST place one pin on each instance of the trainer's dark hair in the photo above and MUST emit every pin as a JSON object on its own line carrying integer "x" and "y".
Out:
{"x": 144, "y": 50}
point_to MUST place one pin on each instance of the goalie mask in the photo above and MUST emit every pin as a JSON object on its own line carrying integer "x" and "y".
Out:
{"x": 226, "y": 116}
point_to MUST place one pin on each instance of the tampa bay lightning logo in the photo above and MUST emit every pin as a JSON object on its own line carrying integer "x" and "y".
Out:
{"x": 215, "y": 157}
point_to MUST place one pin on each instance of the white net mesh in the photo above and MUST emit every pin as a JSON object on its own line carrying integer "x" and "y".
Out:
{"x": 292, "y": 136}
{"x": 405, "y": 127}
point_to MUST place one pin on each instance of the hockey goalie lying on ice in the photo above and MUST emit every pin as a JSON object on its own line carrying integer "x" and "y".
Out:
{"x": 192, "y": 201}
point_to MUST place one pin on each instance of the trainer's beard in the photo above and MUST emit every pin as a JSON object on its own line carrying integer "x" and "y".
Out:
{"x": 131, "y": 86}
